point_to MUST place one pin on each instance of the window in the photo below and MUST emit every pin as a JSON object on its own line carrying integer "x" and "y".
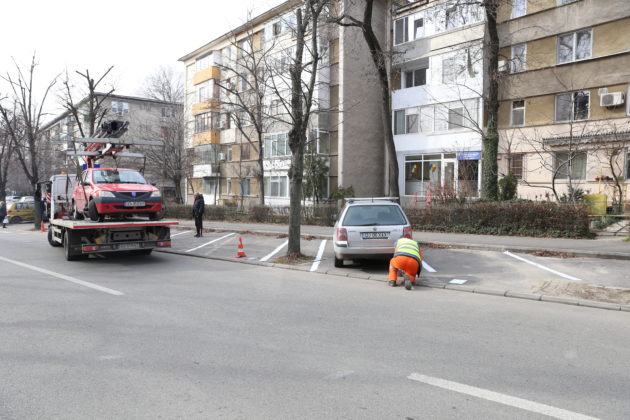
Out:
{"x": 399, "y": 122}
{"x": 277, "y": 28}
{"x": 455, "y": 118}
{"x": 416, "y": 77}
{"x": 628, "y": 165}
{"x": 572, "y": 106}
{"x": 517, "y": 64}
{"x": 207, "y": 154}
{"x": 226, "y": 55}
{"x": 418, "y": 28}
{"x": 244, "y": 83}
{"x": 401, "y": 31}
{"x": 516, "y": 165}
{"x": 204, "y": 62}
{"x": 323, "y": 142}
{"x": 228, "y": 154}
{"x": 203, "y": 122}
{"x": 451, "y": 67}
{"x": 120, "y": 107}
{"x": 563, "y": 2}
{"x": 518, "y": 113}
{"x": 454, "y": 18}
{"x": 243, "y": 119}
{"x": 228, "y": 185}
{"x": 276, "y": 186}
{"x": 519, "y": 8}
{"x": 244, "y": 47}
{"x": 575, "y": 46}
{"x": 245, "y": 151}
{"x": 275, "y": 107}
{"x": 245, "y": 187}
{"x": 204, "y": 93}
{"x": 209, "y": 185}
{"x": 168, "y": 112}
{"x": 411, "y": 123}
{"x": 570, "y": 165}
{"x": 276, "y": 145}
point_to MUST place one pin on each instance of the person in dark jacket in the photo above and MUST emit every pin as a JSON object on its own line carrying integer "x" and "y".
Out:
{"x": 3, "y": 213}
{"x": 198, "y": 207}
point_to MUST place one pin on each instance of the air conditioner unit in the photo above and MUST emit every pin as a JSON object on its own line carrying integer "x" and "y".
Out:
{"x": 612, "y": 99}
{"x": 503, "y": 66}
{"x": 221, "y": 156}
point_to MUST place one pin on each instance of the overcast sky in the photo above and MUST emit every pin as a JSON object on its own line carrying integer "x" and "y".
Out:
{"x": 135, "y": 36}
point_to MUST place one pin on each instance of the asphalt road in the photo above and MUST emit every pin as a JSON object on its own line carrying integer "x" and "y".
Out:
{"x": 169, "y": 336}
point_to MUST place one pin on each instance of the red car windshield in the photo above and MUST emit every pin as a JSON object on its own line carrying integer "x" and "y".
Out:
{"x": 114, "y": 176}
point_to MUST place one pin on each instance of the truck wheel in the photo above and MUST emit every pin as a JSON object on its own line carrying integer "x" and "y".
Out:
{"x": 50, "y": 237}
{"x": 76, "y": 215}
{"x": 70, "y": 256}
{"x": 93, "y": 213}
{"x": 338, "y": 262}
{"x": 15, "y": 219}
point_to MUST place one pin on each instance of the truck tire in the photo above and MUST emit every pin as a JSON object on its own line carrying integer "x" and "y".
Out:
{"x": 50, "y": 237}
{"x": 68, "y": 253}
{"x": 93, "y": 213}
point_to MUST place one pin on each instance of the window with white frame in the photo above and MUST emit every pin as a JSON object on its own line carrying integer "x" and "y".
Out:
{"x": 226, "y": 55}
{"x": 204, "y": 91}
{"x": 417, "y": 77}
{"x": 245, "y": 187}
{"x": 246, "y": 151}
{"x": 168, "y": 112}
{"x": 465, "y": 63}
{"x": 518, "y": 113}
{"x": 228, "y": 153}
{"x": 401, "y": 31}
{"x": 418, "y": 27}
{"x": 519, "y": 8}
{"x": 574, "y": 46}
{"x": 411, "y": 121}
{"x": 120, "y": 108}
{"x": 206, "y": 121}
{"x": 573, "y": 106}
{"x": 228, "y": 185}
{"x": 516, "y": 165}
{"x": 456, "y": 118}
{"x": 519, "y": 52}
{"x": 244, "y": 82}
{"x": 570, "y": 165}
{"x": 323, "y": 142}
{"x": 209, "y": 185}
{"x": 454, "y": 17}
{"x": 276, "y": 186}
{"x": 276, "y": 145}
{"x": 204, "y": 62}
{"x": 244, "y": 47}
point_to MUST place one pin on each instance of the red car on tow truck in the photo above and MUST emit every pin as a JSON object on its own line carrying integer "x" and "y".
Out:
{"x": 115, "y": 192}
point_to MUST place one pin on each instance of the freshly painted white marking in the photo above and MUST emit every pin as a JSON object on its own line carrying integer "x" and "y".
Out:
{"x": 64, "y": 277}
{"x": 181, "y": 233}
{"x": 274, "y": 252}
{"x": 566, "y": 276}
{"x": 211, "y": 242}
{"x": 458, "y": 281}
{"x": 318, "y": 257}
{"x": 505, "y": 399}
{"x": 428, "y": 267}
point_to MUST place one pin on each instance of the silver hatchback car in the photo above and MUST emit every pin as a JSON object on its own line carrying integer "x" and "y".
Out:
{"x": 369, "y": 228}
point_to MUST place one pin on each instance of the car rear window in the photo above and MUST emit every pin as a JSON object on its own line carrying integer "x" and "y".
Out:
{"x": 374, "y": 215}
{"x": 107, "y": 176}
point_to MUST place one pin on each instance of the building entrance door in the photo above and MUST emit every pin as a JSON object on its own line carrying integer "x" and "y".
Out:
{"x": 449, "y": 181}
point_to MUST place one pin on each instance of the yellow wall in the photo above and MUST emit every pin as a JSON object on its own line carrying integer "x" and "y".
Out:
{"x": 206, "y": 137}
{"x": 541, "y": 53}
{"x": 201, "y": 76}
{"x": 505, "y": 8}
{"x": 611, "y": 38}
{"x": 201, "y": 107}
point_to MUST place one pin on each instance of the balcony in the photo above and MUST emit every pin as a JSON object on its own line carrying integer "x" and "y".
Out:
{"x": 201, "y": 76}
{"x": 203, "y": 171}
{"x": 210, "y": 105}
{"x": 207, "y": 137}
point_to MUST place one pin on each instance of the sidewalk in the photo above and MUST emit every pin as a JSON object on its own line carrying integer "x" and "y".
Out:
{"x": 603, "y": 247}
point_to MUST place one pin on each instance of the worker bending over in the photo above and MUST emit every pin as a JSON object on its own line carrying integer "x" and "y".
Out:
{"x": 407, "y": 258}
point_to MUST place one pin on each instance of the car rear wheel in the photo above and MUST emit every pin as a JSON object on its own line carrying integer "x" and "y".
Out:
{"x": 93, "y": 213}
{"x": 338, "y": 262}
{"x": 15, "y": 219}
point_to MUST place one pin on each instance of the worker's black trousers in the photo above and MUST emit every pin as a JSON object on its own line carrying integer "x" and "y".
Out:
{"x": 198, "y": 224}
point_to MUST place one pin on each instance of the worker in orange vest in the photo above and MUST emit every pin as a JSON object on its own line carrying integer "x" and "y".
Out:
{"x": 408, "y": 259}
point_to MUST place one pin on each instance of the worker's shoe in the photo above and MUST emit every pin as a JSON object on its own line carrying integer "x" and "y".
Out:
{"x": 407, "y": 282}
{"x": 392, "y": 283}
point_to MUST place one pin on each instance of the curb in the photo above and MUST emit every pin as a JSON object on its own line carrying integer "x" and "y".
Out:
{"x": 425, "y": 283}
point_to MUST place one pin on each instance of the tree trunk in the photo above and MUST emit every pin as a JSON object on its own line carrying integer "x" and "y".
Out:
{"x": 490, "y": 169}
{"x": 295, "y": 195}
{"x": 261, "y": 173}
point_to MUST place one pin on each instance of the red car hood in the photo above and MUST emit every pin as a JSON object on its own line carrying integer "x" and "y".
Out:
{"x": 125, "y": 187}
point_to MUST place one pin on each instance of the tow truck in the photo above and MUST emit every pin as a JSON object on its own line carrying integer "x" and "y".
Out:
{"x": 81, "y": 238}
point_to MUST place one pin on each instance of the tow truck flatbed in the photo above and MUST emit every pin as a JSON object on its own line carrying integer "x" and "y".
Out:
{"x": 84, "y": 224}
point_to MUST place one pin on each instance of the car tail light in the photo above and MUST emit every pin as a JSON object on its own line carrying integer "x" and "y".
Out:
{"x": 407, "y": 232}
{"x": 90, "y": 248}
{"x": 342, "y": 234}
{"x": 163, "y": 243}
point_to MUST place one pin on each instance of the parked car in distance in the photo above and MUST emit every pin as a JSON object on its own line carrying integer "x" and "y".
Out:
{"x": 369, "y": 228}
{"x": 21, "y": 211}
{"x": 27, "y": 199}
{"x": 12, "y": 199}
{"x": 115, "y": 192}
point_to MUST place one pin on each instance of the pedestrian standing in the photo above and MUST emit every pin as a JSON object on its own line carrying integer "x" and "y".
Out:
{"x": 3, "y": 214}
{"x": 198, "y": 207}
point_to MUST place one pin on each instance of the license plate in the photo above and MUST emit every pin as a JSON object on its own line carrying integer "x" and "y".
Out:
{"x": 374, "y": 235}
{"x": 132, "y": 245}
{"x": 134, "y": 203}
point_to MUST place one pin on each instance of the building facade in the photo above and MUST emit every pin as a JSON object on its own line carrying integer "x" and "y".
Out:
{"x": 224, "y": 91}
{"x": 564, "y": 115}
{"x": 437, "y": 88}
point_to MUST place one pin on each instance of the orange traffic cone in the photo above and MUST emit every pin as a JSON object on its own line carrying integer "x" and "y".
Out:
{"x": 240, "y": 253}
{"x": 43, "y": 228}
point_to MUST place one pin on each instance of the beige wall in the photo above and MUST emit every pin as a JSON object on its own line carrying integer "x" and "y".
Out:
{"x": 201, "y": 76}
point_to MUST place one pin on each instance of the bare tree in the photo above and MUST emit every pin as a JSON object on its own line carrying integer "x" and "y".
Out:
{"x": 169, "y": 159}
{"x": 6, "y": 153}
{"x": 23, "y": 119}
{"x": 380, "y": 58}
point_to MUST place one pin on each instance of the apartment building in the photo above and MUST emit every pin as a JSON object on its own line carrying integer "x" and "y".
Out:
{"x": 437, "y": 73}
{"x": 221, "y": 86}
{"x": 148, "y": 119}
{"x": 564, "y": 115}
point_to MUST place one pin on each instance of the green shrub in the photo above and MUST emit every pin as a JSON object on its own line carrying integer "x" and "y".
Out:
{"x": 507, "y": 187}
{"x": 260, "y": 213}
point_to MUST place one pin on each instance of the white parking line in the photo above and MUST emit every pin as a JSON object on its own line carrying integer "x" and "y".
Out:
{"x": 181, "y": 233}
{"x": 505, "y": 399}
{"x": 274, "y": 252}
{"x": 566, "y": 276}
{"x": 64, "y": 277}
{"x": 318, "y": 257}
{"x": 211, "y": 242}
{"x": 428, "y": 267}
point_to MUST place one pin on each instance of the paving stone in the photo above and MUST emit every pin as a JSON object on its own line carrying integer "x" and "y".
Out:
{"x": 520, "y": 295}
{"x": 600, "y": 305}
{"x": 559, "y": 299}
{"x": 485, "y": 291}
